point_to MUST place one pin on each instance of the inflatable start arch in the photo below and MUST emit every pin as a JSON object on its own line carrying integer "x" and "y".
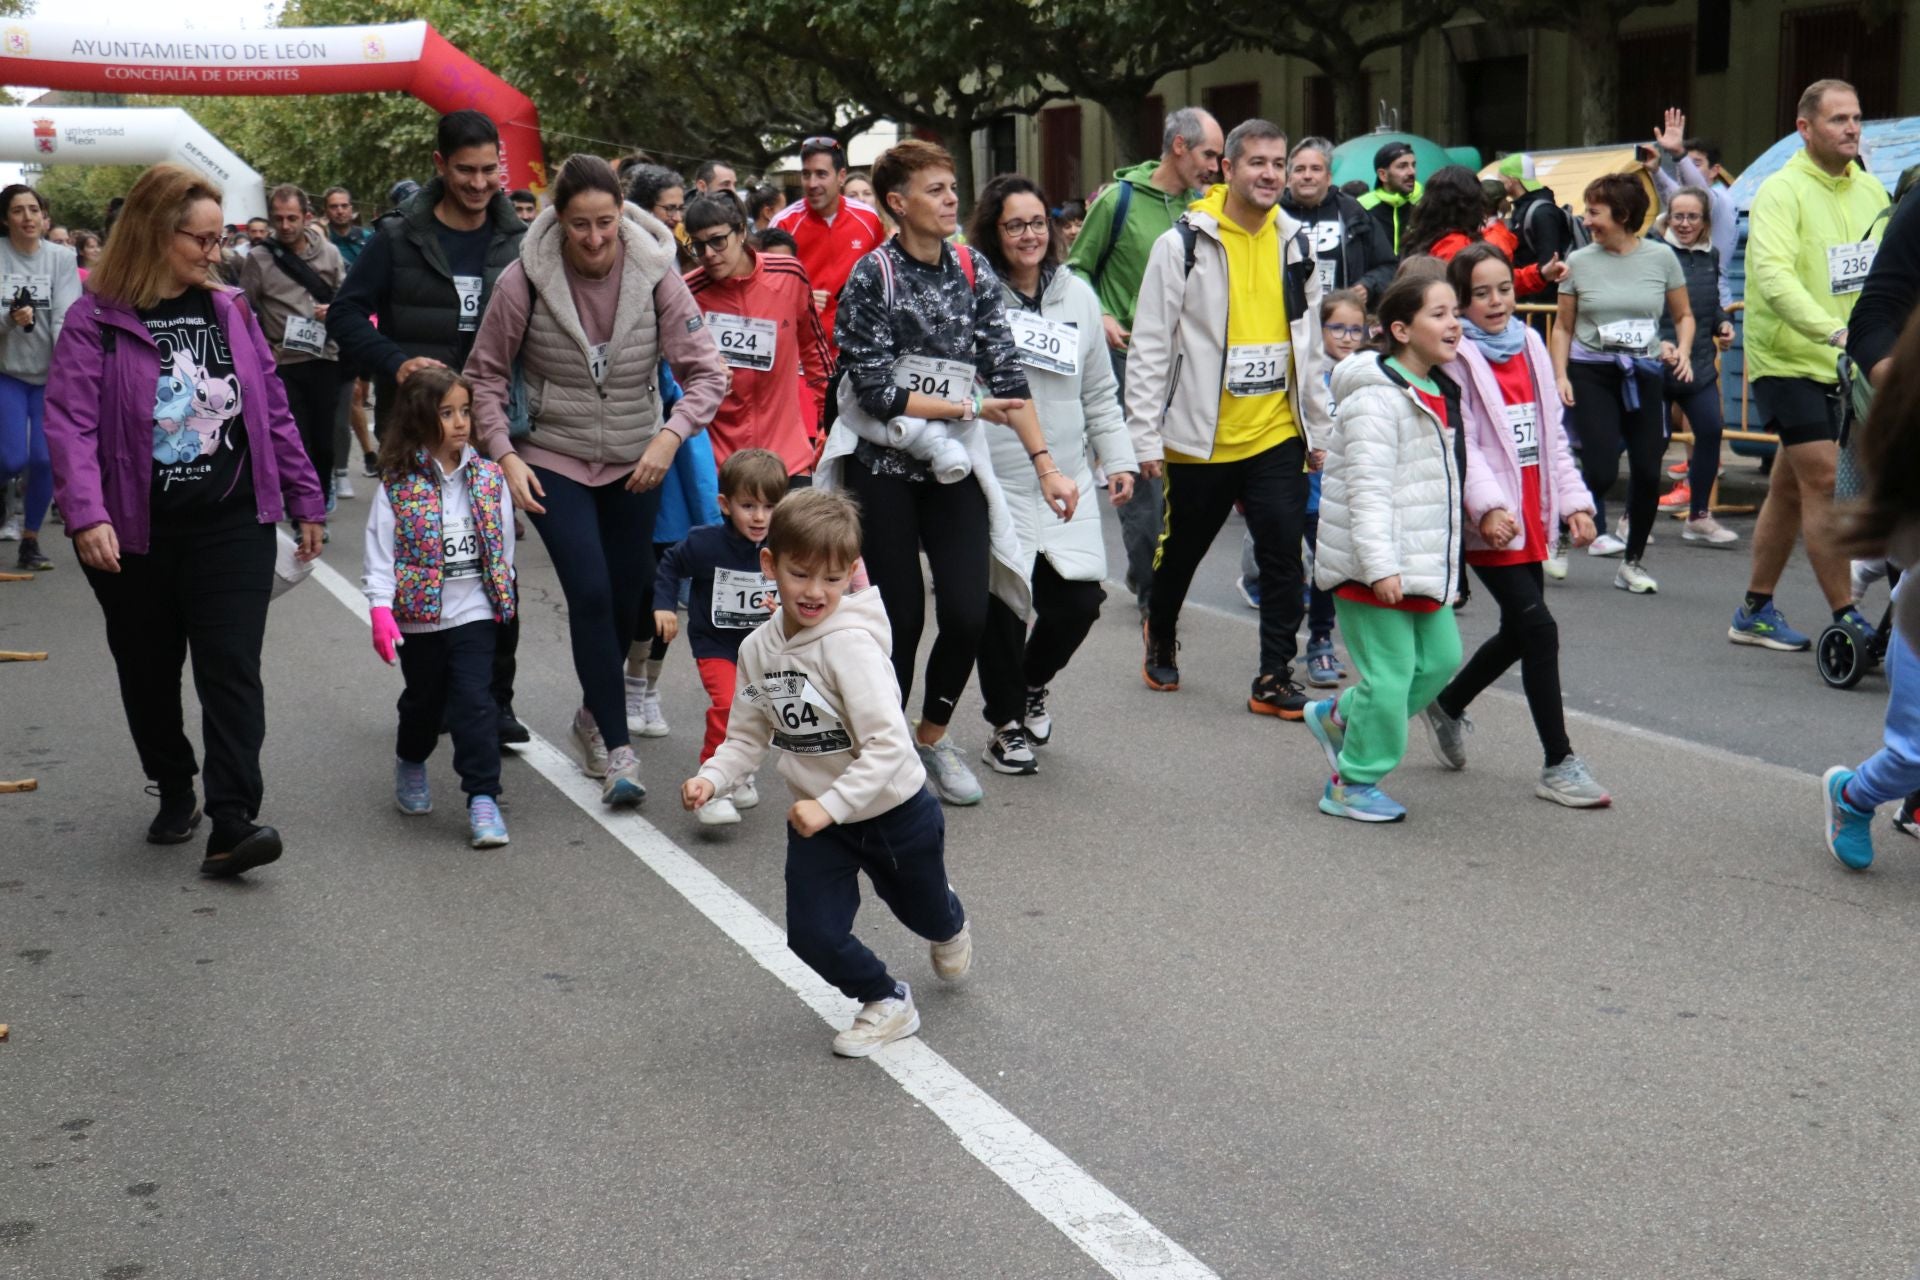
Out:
{"x": 130, "y": 135}
{"x": 408, "y": 57}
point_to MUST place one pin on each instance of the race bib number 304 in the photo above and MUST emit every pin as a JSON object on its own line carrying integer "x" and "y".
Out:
{"x": 1049, "y": 345}
{"x": 930, "y": 376}
{"x": 741, "y": 600}
{"x": 1848, "y": 264}
{"x": 804, "y": 723}
{"x": 746, "y": 342}
{"x": 1257, "y": 370}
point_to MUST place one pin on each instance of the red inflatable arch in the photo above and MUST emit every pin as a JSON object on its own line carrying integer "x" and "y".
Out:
{"x": 407, "y": 56}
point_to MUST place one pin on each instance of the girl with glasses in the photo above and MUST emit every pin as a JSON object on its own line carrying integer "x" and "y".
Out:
{"x": 1690, "y": 235}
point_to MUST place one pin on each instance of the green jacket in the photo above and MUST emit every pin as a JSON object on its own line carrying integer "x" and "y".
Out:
{"x": 1392, "y": 210}
{"x": 1151, "y": 213}
{"x": 1797, "y": 215}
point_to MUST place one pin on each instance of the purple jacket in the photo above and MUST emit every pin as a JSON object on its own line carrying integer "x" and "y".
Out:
{"x": 1493, "y": 461}
{"x": 100, "y": 420}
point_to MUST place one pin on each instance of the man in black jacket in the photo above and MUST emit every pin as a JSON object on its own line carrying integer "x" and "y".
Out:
{"x": 428, "y": 274}
{"x": 1890, "y": 294}
{"x": 1350, "y": 244}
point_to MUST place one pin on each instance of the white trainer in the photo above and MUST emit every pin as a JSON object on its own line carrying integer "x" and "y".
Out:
{"x": 342, "y": 483}
{"x": 718, "y": 812}
{"x": 1632, "y": 577}
{"x": 952, "y": 958}
{"x": 593, "y": 747}
{"x": 1556, "y": 565}
{"x": 1606, "y": 545}
{"x": 1708, "y": 530}
{"x": 643, "y": 709}
{"x": 878, "y": 1025}
{"x": 746, "y": 792}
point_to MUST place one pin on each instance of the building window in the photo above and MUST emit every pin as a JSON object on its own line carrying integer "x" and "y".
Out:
{"x": 1835, "y": 41}
{"x": 1003, "y": 149}
{"x": 1151, "y": 126}
{"x": 1656, "y": 72}
{"x": 1059, "y": 154}
{"x": 1232, "y": 104}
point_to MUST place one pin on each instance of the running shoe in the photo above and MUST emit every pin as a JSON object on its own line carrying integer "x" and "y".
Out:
{"x": 179, "y": 815}
{"x": 1569, "y": 783}
{"x": 1864, "y": 633}
{"x": 1323, "y": 667}
{"x": 952, "y": 958}
{"x": 369, "y": 464}
{"x": 1680, "y": 468}
{"x": 879, "y": 1024}
{"x": 1363, "y": 802}
{"x": 1606, "y": 545}
{"x": 1849, "y": 831}
{"x": 31, "y": 558}
{"x": 1277, "y": 696}
{"x": 1678, "y": 498}
{"x": 947, "y": 772}
{"x": 746, "y": 792}
{"x": 720, "y": 811}
{"x": 11, "y": 527}
{"x": 1631, "y": 577}
{"x": 1708, "y": 530}
{"x": 593, "y": 747}
{"x": 343, "y": 485}
{"x": 1009, "y": 752}
{"x": 1556, "y": 564}
{"x": 1249, "y": 591}
{"x": 486, "y": 829}
{"x": 1905, "y": 821}
{"x": 643, "y": 709}
{"x": 1620, "y": 531}
{"x": 1036, "y": 721}
{"x": 512, "y": 733}
{"x": 1447, "y": 736}
{"x": 411, "y": 794}
{"x": 1326, "y": 731}
{"x": 621, "y": 787}
{"x": 1767, "y": 627}
{"x": 1161, "y": 669}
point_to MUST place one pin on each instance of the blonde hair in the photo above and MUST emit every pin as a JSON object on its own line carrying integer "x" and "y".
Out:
{"x": 816, "y": 527}
{"x": 760, "y": 473}
{"x": 135, "y": 267}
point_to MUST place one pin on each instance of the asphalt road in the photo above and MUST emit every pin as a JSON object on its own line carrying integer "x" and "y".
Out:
{"x": 1501, "y": 1040}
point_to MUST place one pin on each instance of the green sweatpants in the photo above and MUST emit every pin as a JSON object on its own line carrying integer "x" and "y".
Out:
{"x": 1405, "y": 660}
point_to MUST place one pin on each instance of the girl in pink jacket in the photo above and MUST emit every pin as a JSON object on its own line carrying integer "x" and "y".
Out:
{"x": 1521, "y": 484}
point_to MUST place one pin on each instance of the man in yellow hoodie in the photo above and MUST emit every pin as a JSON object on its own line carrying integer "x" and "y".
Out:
{"x": 1812, "y": 235}
{"x": 1225, "y": 391}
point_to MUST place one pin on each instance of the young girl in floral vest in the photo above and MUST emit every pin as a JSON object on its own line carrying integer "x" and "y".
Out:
{"x": 439, "y": 576}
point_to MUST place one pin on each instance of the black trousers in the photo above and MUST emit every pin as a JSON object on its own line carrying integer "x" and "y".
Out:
{"x": 1199, "y": 495}
{"x": 1601, "y": 423}
{"x": 202, "y": 593}
{"x": 449, "y": 674}
{"x": 1013, "y": 660}
{"x": 1527, "y": 635}
{"x": 313, "y": 396}
{"x": 899, "y": 519}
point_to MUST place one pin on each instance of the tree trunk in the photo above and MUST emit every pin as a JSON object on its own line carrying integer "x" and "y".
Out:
{"x": 1351, "y": 101}
{"x": 1123, "y": 118}
{"x": 1596, "y": 42}
{"x": 1409, "y": 57}
{"x": 957, "y": 137}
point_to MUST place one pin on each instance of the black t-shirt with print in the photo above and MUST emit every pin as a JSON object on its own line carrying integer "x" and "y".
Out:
{"x": 201, "y": 468}
{"x": 467, "y": 257}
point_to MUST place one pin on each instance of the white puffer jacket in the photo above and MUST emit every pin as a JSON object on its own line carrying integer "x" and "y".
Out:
{"x": 1390, "y": 497}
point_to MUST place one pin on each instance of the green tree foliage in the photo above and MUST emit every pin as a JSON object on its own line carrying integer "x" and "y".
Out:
{"x": 78, "y": 194}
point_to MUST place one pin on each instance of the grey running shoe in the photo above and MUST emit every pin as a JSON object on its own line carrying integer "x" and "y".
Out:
{"x": 1447, "y": 736}
{"x": 593, "y": 747}
{"x": 947, "y": 771}
{"x": 1570, "y": 784}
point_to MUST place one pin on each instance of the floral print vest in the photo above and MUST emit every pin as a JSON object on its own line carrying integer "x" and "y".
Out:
{"x": 417, "y": 545}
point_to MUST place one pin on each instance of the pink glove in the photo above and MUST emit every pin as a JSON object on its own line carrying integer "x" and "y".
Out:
{"x": 386, "y": 633}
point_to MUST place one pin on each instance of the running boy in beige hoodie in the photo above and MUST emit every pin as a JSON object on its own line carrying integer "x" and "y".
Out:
{"x": 816, "y": 683}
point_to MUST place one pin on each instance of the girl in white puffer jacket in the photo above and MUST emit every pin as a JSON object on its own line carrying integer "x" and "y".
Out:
{"x": 1390, "y": 540}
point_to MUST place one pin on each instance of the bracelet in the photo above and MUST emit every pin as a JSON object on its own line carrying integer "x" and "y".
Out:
{"x": 1037, "y": 452}
{"x": 1055, "y": 472}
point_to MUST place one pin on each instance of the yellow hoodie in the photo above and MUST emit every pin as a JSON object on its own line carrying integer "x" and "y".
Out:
{"x": 1256, "y": 316}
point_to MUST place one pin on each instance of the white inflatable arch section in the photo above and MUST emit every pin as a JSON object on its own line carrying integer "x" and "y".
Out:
{"x": 131, "y": 135}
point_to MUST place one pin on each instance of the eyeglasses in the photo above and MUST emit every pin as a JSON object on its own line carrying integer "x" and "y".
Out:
{"x": 1351, "y": 332}
{"x": 710, "y": 244}
{"x": 676, "y": 210}
{"x": 207, "y": 243}
{"x": 1684, "y": 217}
{"x": 1035, "y": 226}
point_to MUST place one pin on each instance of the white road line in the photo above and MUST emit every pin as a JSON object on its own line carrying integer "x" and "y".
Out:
{"x": 1104, "y": 1226}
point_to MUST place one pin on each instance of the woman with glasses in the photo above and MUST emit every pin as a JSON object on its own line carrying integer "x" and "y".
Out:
{"x": 759, "y": 309}
{"x": 1055, "y": 319}
{"x": 662, "y": 193}
{"x": 1690, "y": 235}
{"x": 174, "y": 455}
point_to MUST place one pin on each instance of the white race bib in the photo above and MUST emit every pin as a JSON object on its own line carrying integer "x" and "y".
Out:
{"x": 1630, "y": 337}
{"x": 803, "y": 722}
{"x": 741, "y": 600}
{"x": 1257, "y": 370}
{"x": 1049, "y": 345}
{"x": 746, "y": 342}
{"x": 1523, "y": 424}
{"x": 308, "y": 337}
{"x": 931, "y": 376}
{"x": 459, "y": 549}
{"x": 1848, "y": 264}
{"x": 39, "y": 287}
{"x": 469, "y": 287}
{"x": 597, "y": 362}
{"x": 1324, "y": 268}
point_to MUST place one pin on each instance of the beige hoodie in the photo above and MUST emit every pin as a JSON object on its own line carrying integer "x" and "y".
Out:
{"x": 827, "y": 700}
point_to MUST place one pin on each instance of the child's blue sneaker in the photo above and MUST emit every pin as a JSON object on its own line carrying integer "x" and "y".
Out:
{"x": 1766, "y": 627}
{"x": 488, "y": 829}
{"x": 1323, "y": 667}
{"x": 410, "y": 788}
{"x": 1849, "y": 831}
{"x": 1361, "y": 801}
{"x": 1325, "y": 731}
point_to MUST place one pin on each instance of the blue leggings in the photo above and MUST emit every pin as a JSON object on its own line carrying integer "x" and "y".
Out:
{"x": 1701, "y": 403}
{"x": 23, "y": 445}
{"x": 1893, "y": 771}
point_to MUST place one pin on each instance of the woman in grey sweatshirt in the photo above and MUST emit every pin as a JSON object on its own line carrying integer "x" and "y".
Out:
{"x": 38, "y": 282}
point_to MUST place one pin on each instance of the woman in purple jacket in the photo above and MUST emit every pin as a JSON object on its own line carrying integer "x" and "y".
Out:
{"x": 174, "y": 456}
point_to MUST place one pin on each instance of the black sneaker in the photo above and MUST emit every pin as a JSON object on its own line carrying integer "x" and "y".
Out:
{"x": 370, "y": 464}
{"x": 179, "y": 815}
{"x": 31, "y": 557}
{"x": 1904, "y": 820}
{"x": 1035, "y": 720}
{"x": 1278, "y": 696}
{"x": 512, "y": 732}
{"x": 1161, "y": 670}
{"x": 1008, "y": 751}
{"x": 234, "y": 847}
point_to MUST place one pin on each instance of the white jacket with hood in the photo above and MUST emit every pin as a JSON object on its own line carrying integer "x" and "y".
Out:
{"x": 1390, "y": 496}
{"x": 827, "y": 701}
{"x": 1177, "y": 357}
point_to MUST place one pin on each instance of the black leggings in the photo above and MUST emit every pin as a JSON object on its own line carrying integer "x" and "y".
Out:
{"x": 1013, "y": 661}
{"x": 1527, "y": 635}
{"x": 899, "y": 519}
{"x": 1601, "y": 421}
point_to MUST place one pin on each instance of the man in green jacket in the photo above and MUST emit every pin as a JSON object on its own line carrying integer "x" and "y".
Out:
{"x": 1141, "y": 205}
{"x": 1395, "y": 191}
{"x": 1811, "y": 236}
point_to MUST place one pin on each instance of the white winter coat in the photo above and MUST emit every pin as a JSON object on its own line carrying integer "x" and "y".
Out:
{"x": 1390, "y": 497}
{"x": 1075, "y": 410}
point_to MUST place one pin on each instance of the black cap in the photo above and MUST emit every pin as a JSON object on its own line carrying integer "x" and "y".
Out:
{"x": 403, "y": 191}
{"x": 1389, "y": 153}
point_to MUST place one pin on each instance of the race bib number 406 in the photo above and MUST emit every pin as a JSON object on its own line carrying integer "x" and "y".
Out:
{"x": 308, "y": 337}
{"x": 930, "y": 376}
{"x": 804, "y": 723}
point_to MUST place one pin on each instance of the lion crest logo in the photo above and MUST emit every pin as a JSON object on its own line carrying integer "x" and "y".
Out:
{"x": 16, "y": 42}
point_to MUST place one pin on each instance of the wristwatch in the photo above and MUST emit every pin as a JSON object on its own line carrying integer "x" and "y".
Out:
{"x": 968, "y": 408}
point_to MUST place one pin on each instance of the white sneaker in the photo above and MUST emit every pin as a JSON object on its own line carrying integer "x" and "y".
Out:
{"x": 593, "y": 747}
{"x": 342, "y": 484}
{"x": 746, "y": 792}
{"x": 622, "y": 787}
{"x": 952, "y": 958}
{"x": 1606, "y": 545}
{"x": 643, "y": 709}
{"x": 1620, "y": 531}
{"x": 879, "y": 1024}
{"x": 1556, "y": 565}
{"x": 1036, "y": 720}
{"x": 10, "y": 531}
{"x": 1708, "y": 530}
{"x": 947, "y": 771}
{"x": 1632, "y": 577}
{"x": 718, "y": 812}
